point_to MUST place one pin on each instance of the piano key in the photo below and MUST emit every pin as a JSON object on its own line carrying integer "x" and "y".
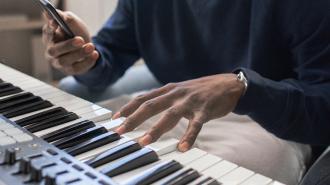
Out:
{"x": 9, "y": 91}
{"x": 204, "y": 162}
{"x": 15, "y": 97}
{"x": 155, "y": 173}
{"x": 68, "y": 131}
{"x": 80, "y": 137}
{"x": 10, "y": 95}
{"x": 114, "y": 153}
{"x": 185, "y": 158}
{"x": 53, "y": 129}
{"x": 51, "y": 122}
{"x": 164, "y": 146}
{"x": 1, "y": 80}
{"x": 257, "y": 179}
{"x": 93, "y": 116}
{"x": 112, "y": 124}
{"x": 276, "y": 183}
{"x": 237, "y": 176}
{"x": 7, "y": 106}
{"x": 41, "y": 116}
{"x": 204, "y": 180}
{"x": 97, "y": 151}
{"x": 5, "y": 85}
{"x": 132, "y": 161}
{"x": 220, "y": 169}
{"x": 93, "y": 143}
{"x": 27, "y": 108}
{"x": 181, "y": 177}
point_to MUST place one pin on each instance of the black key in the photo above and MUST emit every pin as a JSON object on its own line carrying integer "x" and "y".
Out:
{"x": 18, "y": 111}
{"x": 52, "y": 122}
{"x": 1, "y": 80}
{"x": 68, "y": 131}
{"x": 10, "y": 91}
{"x": 41, "y": 116}
{"x": 135, "y": 160}
{"x": 7, "y": 106}
{"x": 15, "y": 98}
{"x": 5, "y": 85}
{"x": 114, "y": 153}
{"x": 80, "y": 137}
{"x": 156, "y": 173}
{"x": 93, "y": 143}
{"x": 182, "y": 177}
{"x": 208, "y": 181}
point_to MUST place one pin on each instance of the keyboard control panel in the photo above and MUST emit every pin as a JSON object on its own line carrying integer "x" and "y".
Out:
{"x": 27, "y": 159}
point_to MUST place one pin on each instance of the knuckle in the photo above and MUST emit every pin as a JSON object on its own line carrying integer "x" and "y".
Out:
{"x": 61, "y": 61}
{"x": 139, "y": 99}
{"x": 51, "y": 51}
{"x": 180, "y": 91}
{"x": 148, "y": 105}
{"x": 170, "y": 85}
{"x": 69, "y": 17}
{"x": 172, "y": 112}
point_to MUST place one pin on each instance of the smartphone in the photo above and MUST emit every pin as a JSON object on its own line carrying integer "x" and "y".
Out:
{"x": 50, "y": 9}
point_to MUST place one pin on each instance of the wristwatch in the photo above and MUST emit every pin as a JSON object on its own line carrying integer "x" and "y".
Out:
{"x": 242, "y": 78}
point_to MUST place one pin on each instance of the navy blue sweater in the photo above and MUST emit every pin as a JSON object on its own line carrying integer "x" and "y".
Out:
{"x": 283, "y": 46}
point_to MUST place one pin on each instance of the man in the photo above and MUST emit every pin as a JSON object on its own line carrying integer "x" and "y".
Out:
{"x": 267, "y": 59}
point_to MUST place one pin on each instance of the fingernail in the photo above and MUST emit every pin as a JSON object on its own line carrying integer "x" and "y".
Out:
{"x": 77, "y": 43}
{"x": 120, "y": 130}
{"x": 145, "y": 140}
{"x": 184, "y": 147}
{"x": 116, "y": 116}
{"x": 89, "y": 49}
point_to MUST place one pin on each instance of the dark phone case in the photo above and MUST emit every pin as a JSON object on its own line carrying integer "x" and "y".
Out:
{"x": 50, "y": 9}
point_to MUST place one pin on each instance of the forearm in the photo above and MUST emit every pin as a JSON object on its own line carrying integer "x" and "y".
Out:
{"x": 290, "y": 109}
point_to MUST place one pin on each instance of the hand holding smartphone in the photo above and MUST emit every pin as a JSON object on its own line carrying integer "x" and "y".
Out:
{"x": 50, "y": 9}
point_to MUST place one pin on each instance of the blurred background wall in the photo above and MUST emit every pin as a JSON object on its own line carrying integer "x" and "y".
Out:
{"x": 20, "y": 32}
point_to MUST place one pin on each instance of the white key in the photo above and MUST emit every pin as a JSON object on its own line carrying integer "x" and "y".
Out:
{"x": 220, "y": 169}
{"x": 257, "y": 179}
{"x": 87, "y": 109}
{"x": 165, "y": 146}
{"x": 99, "y": 115}
{"x": 276, "y": 183}
{"x": 135, "y": 134}
{"x": 237, "y": 176}
{"x": 6, "y": 140}
{"x": 184, "y": 158}
{"x": 204, "y": 162}
{"x": 112, "y": 124}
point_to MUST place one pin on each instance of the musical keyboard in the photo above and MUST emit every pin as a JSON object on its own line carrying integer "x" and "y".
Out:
{"x": 51, "y": 137}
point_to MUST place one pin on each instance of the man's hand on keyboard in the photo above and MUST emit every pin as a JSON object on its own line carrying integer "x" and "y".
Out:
{"x": 74, "y": 56}
{"x": 199, "y": 100}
